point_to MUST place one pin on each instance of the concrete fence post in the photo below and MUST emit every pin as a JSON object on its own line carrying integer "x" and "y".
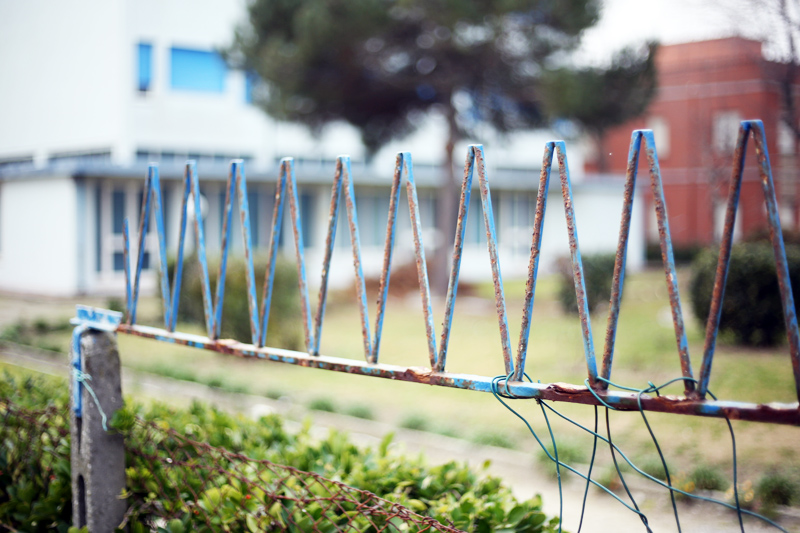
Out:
{"x": 98, "y": 456}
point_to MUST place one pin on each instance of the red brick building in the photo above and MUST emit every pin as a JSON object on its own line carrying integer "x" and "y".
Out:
{"x": 705, "y": 89}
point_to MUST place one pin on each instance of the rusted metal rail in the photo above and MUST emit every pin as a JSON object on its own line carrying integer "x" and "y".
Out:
{"x": 696, "y": 388}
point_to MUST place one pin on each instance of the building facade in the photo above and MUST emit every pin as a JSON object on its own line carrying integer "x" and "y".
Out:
{"x": 705, "y": 89}
{"x": 93, "y": 91}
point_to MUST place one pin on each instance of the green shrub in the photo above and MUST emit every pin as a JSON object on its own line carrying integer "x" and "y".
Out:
{"x": 707, "y": 477}
{"x": 751, "y": 311}
{"x": 777, "y": 488}
{"x": 361, "y": 411}
{"x": 35, "y": 481}
{"x": 598, "y": 272}
{"x": 653, "y": 466}
{"x": 451, "y": 493}
{"x": 683, "y": 254}
{"x": 494, "y": 438}
{"x": 415, "y": 421}
{"x": 285, "y": 324}
{"x": 322, "y": 404}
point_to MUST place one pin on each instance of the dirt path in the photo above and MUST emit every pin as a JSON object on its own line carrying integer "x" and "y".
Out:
{"x": 518, "y": 469}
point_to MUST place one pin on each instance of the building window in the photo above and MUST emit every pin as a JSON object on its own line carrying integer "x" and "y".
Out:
{"x": 307, "y": 217}
{"x": 197, "y": 70}
{"x": 250, "y": 83}
{"x": 726, "y": 131}
{"x": 145, "y": 78}
{"x": 118, "y": 210}
{"x": 255, "y": 216}
{"x": 786, "y": 139}
{"x": 660, "y": 129}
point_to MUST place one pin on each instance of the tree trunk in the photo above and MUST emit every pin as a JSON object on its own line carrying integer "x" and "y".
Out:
{"x": 446, "y": 211}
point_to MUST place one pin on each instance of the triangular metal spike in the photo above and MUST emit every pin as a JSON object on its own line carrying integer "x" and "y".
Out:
{"x": 667, "y": 257}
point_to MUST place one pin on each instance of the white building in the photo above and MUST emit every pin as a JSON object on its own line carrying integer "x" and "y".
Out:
{"x": 93, "y": 90}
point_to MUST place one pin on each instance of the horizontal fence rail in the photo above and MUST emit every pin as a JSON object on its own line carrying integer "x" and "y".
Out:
{"x": 594, "y": 391}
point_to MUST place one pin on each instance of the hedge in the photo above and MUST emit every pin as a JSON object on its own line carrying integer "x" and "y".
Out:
{"x": 752, "y": 312}
{"x": 451, "y": 493}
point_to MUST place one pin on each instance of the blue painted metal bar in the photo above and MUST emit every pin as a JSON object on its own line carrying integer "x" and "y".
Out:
{"x": 668, "y": 259}
{"x": 458, "y": 249}
{"x": 618, "y": 279}
{"x": 143, "y": 222}
{"x": 158, "y": 211}
{"x": 491, "y": 242}
{"x": 774, "y": 412}
{"x": 756, "y": 127}
{"x": 200, "y": 239}
{"x": 343, "y": 162}
{"x": 227, "y": 219}
{"x": 725, "y": 246}
{"x": 274, "y": 241}
{"x": 244, "y": 216}
{"x": 383, "y": 288}
{"x": 419, "y": 251}
{"x": 287, "y": 166}
{"x": 776, "y": 238}
{"x": 330, "y": 239}
{"x": 577, "y": 264}
{"x": 533, "y": 263}
{"x": 178, "y": 274}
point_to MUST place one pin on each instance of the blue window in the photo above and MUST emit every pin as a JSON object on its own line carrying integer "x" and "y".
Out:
{"x": 119, "y": 261}
{"x": 250, "y": 82}
{"x": 307, "y": 218}
{"x": 255, "y": 214}
{"x": 197, "y": 70}
{"x": 118, "y": 210}
{"x": 145, "y": 66}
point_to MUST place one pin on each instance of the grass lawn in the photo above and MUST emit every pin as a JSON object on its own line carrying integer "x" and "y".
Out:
{"x": 645, "y": 351}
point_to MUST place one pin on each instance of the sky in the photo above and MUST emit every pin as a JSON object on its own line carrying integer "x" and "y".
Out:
{"x": 631, "y": 22}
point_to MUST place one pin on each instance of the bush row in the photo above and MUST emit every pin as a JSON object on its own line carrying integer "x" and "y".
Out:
{"x": 450, "y": 493}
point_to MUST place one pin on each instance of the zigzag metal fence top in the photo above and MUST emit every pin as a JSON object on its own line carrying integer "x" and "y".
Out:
{"x": 594, "y": 391}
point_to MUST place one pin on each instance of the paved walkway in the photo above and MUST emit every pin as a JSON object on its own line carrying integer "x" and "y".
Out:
{"x": 517, "y": 469}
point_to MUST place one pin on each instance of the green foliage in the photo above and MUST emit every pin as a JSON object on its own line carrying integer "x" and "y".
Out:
{"x": 35, "y": 491}
{"x": 450, "y": 493}
{"x": 37, "y": 333}
{"x": 707, "y": 477}
{"x": 494, "y": 438}
{"x": 361, "y": 411}
{"x": 777, "y": 488}
{"x": 598, "y": 273}
{"x": 322, "y": 403}
{"x": 751, "y": 311}
{"x": 653, "y": 466}
{"x": 283, "y": 331}
{"x": 415, "y": 421}
{"x": 378, "y": 67}
{"x": 683, "y": 254}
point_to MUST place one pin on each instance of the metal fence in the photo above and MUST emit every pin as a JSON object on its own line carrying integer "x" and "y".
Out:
{"x": 594, "y": 391}
{"x": 512, "y": 385}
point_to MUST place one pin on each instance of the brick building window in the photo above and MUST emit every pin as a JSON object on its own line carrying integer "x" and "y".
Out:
{"x": 726, "y": 130}
{"x": 660, "y": 128}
